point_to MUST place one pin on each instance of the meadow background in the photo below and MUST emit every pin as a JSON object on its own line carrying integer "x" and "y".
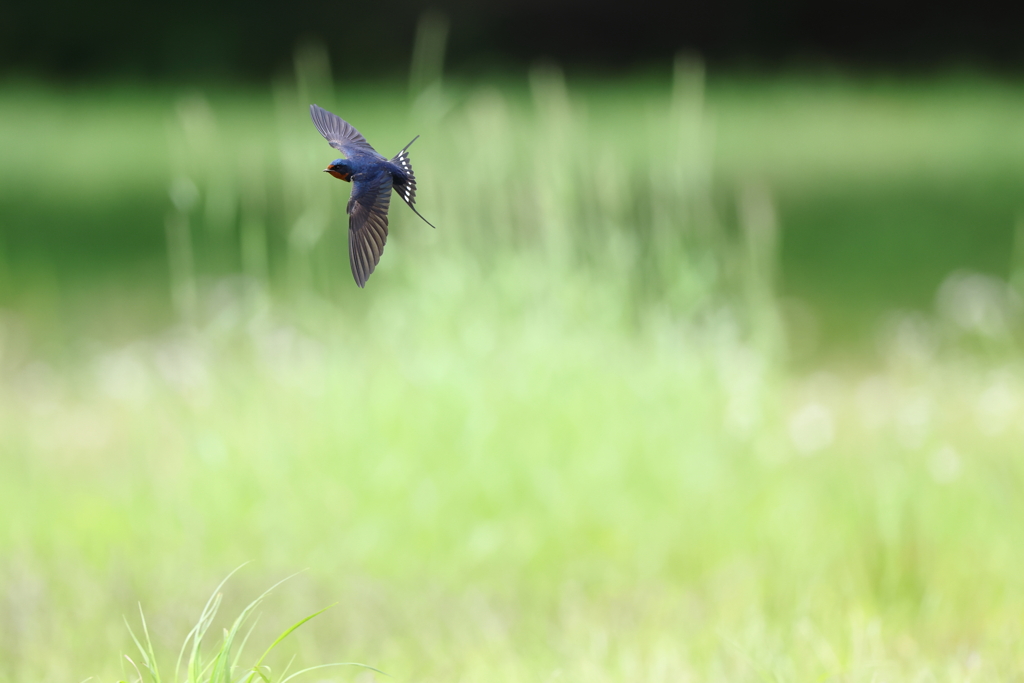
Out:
{"x": 701, "y": 377}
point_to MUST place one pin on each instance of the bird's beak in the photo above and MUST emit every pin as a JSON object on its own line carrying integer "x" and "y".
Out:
{"x": 327, "y": 170}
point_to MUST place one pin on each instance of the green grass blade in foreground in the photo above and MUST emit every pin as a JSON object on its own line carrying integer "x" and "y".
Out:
{"x": 219, "y": 664}
{"x": 241, "y": 646}
{"x": 148, "y": 656}
{"x": 220, "y": 667}
{"x": 197, "y": 632}
{"x": 285, "y": 634}
{"x": 324, "y": 666}
{"x": 195, "y": 669}
{"x": 134, "y": 666}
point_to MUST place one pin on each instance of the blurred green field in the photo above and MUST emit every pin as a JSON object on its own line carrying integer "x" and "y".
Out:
{"x": 882, "y": 187}
{"x": 695, "y": 381}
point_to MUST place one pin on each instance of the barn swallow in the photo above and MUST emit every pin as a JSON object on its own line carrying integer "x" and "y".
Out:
{"x": 372, "y": 177}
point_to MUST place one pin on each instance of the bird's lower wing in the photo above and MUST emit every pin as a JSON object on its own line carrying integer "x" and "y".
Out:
{"x": 368, "y": 225}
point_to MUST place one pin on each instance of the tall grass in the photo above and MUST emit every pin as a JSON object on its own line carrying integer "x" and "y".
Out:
{"x": 557, "y": 438}
{"x": 536, "y": 182}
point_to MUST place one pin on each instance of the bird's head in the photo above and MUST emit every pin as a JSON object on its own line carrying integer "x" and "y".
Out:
{"x": 340, "y": 169}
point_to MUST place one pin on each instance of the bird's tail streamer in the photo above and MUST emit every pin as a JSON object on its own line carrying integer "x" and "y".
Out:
{"x": 407, "y": 190}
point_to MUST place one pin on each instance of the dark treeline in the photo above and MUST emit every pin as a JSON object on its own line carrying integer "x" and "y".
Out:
{"x": 70, "y": 39}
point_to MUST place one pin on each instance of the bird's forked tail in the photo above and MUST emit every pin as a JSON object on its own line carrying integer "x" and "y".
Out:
{"x": 407, "y": 190}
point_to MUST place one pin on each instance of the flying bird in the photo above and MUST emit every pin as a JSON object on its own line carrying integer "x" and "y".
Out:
{"x": 372, "y": 177}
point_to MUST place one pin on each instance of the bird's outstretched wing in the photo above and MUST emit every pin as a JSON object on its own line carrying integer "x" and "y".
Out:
{"x": 368, "y": 224}
{"x": 341, "y": 134}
